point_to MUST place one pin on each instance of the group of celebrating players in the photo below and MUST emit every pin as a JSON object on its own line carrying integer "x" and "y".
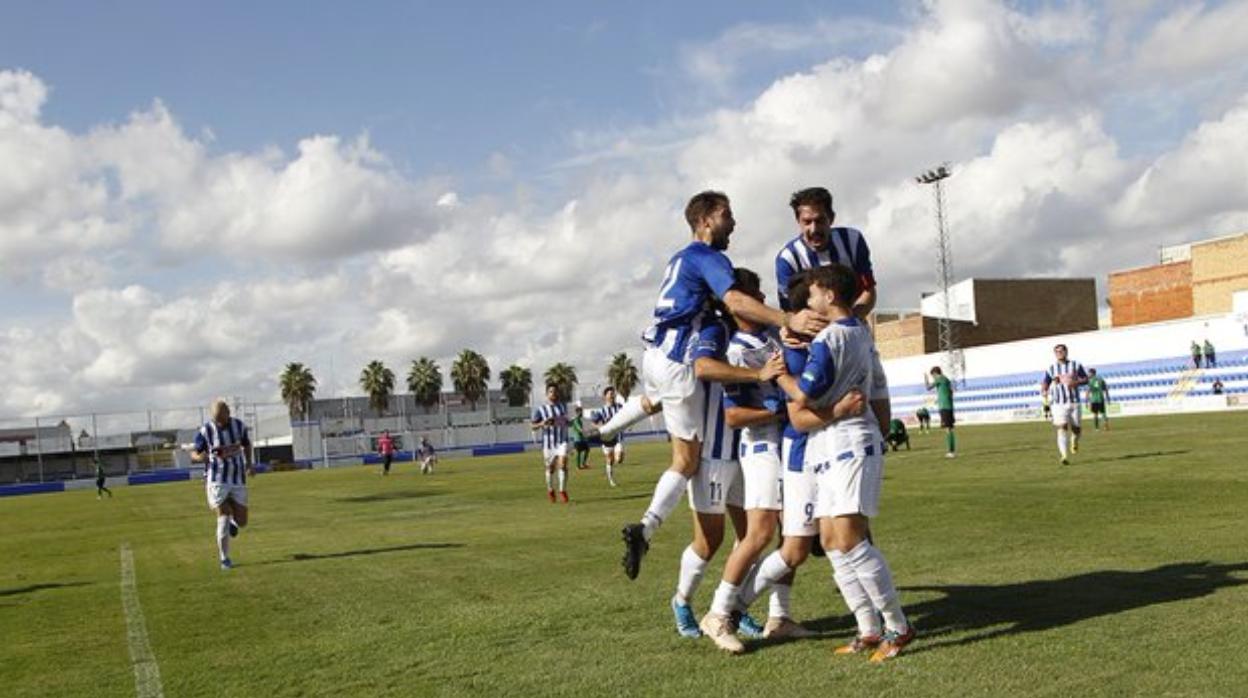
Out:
{"x": 775, "y": 417}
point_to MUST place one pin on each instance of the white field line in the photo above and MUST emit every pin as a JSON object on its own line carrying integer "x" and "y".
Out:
{"x": 146, "y": 672}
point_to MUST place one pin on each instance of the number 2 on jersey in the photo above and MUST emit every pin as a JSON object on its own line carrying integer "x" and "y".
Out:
{"x": 669, "y": 281}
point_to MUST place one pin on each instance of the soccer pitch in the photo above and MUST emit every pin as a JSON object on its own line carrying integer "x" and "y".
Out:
{"x": 1122, "y": 574}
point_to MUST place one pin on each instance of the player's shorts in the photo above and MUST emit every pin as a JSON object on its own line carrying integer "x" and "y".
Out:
{"x": 798, "y": 501}
{"x": 674, "y": 385}
{"x": 1067, "y": 413}
{"x": 581, "y": 445}
{"x": 550, "y": 454}
{"x": 946, "y": 419}
{"x": 761, "y": 476}
{"x": 849, "y": 484}
{"x": 717, "y": 484}
{"x": 218, "y": 493}
{"x": 1097, "y": 407}
{"x": 616, "y": 447}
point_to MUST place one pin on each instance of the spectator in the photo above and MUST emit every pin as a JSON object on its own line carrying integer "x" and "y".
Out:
{"x": 1217, "y": 386}
{"x": 385, "y": 446}
{"x": 1195, "y": 354}
{"x": 1211, "y": 360}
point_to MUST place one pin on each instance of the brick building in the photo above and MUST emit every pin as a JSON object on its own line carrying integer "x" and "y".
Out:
{"x": 990, "y": 311}
{"x": 1198, "y": 278}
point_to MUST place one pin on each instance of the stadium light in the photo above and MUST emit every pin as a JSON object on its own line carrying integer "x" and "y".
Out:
{"x": 944, "y": 266}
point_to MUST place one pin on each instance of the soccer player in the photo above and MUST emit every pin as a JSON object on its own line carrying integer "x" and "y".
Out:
{"x": 818, "y": 244}
{"x": 897, "y": 435}
{"x": 1211, "y": 357}
{"x": 716, "y": 488}
{"x": 385, "y": 446}
{"x": 848, "y": 460}
{"x": 552, "y": 420}
{"x": 754, "y": 411}
{"x": 777, "y": 571}
{"x": 224, "y": 447}
{"x": 428, "y": 456}
{"x": 100, "y": 479}
{"x": 1061, "y": 382}
{"x": 612, "y": 448}
{"x": 1195, "y": 354}
{"x": 576, "y": 428}
{"x": 1098, "y": 398}
{"x": 944, "y": 404}
{"x": 696, "y": 274}
{"x": 925, "y": 419}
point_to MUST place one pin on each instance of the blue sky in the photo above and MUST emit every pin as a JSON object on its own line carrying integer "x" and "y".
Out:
{"x": 528, "y": 158}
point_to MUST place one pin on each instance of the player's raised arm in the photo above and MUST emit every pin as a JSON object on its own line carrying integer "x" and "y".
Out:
{"x": 806, "y": 322}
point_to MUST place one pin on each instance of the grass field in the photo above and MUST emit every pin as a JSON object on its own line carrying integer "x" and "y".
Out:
{"x": 1125, "y": 573}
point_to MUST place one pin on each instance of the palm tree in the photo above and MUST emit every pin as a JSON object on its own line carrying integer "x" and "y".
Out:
{"x": 378, "y": 382}
{"x": 564, "y": 377}
{"x": 298, "y": 386}
{"x": 517, "y": 384}
{"x": 469, "y": 374}
{"x": 424, "y": 380}
{"x": 622, "y": 374}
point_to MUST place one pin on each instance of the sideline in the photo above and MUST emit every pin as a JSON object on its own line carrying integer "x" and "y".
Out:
{"x": 146, "y": 672}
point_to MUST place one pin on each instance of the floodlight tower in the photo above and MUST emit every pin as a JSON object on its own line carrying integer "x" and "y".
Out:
{"x": 944, "y": 260}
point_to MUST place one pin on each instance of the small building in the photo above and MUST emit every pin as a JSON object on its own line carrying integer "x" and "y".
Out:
{"x": 1193, "y": 279}
{"x": 990, "y": 311}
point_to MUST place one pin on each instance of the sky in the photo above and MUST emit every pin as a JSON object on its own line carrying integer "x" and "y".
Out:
{"x": 194, "y": 195}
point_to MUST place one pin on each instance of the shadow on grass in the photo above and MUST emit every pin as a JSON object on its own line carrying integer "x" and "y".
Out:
{"x": 305, "y": 557}
{"x": 1133, "y": 456}
{"x": 610, "y": 498}
{"x": 387, "y": 497}
{"x": 30, "y": 589}
{"x": 1042, "y": 605}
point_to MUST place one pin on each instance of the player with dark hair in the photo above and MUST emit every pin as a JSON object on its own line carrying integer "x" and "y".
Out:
{"x": 944, "y": 404}
{"x": 925, "y": 419}
{"x": 551, "y": 419}
{"x": 100, "y": 479}
{"x": 1061, "y": 381}
{"x": 1098, "y": 398}
{"x": 819, "y": 244}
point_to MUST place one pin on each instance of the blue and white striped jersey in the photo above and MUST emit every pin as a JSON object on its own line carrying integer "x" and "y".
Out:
{"x": 753, "y": 351}
{"x": 719, "y": 441}
{"x": 694, "y": 275}
{"x": 842, "y": 358}
{"x": 795, "y": 364}
{"x": 557, "y": 433}
{"x": 1059, "y": 393}
{"x": 603, "y": 414}
{"x": 846, "y": 246}
{"x": 227, "y": 451}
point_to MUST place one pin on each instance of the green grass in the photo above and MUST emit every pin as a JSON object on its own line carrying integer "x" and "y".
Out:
{"x": 1123, "y": 574}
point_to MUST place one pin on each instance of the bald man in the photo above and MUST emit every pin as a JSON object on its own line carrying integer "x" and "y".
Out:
{"x": 224, "y": 448}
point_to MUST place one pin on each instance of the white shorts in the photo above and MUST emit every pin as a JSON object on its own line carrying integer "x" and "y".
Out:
{"x": 218, "y": 493}
{"x": 717, "y": 484}
{"x": 800, "y": 491}
{"x": 1067, "y": 413}
{"x": 762, "y": 476}
{"x": 674, "y": 386}
{"x": 617, "y": 449}
{"x": 849, "y": 485}
{"x": 550, "y": 454}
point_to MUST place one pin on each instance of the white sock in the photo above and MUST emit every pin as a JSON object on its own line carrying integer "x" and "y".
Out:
{"x": 766, "y": 573}
{"x": 1061, "y": 442}
{"x": 779, "y": 607}
{"x": 629, "y": 414}
{"x": 610, "y": 473}
{"x": 667, "y": 494}
{"x": 725, "y": 598}
{"x": 223, "y": 536}
{"x": 877, "y": 581}
{"x": 692, "y": 567}
{"x": 855, "y": 596}
{"x": 563, "y": 480}
{"x": 550, "y": 481}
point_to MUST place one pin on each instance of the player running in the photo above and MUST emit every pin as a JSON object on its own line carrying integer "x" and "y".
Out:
{"x": 552, "y": 420}
{"x": 613, "y": 447}
{"x": 100, "y": 479}
{"x": 944, "y": 404}
{"x": 1061, "y": 382}
{"x": 694, "y": 276}
{"x": 848, "y": 461}
{"x": 428, "y": 456}
{"x": 224, "y": 447}
{"x": 1098, "y": 398}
